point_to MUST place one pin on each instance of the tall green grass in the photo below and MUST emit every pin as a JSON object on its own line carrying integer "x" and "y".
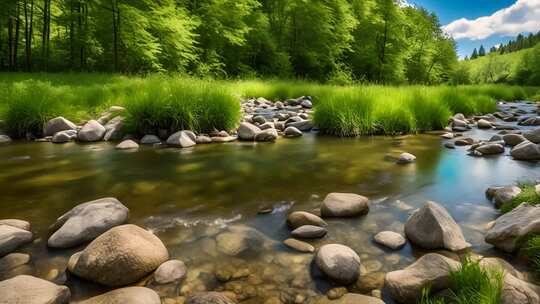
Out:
{"x": 532, "y": 250}
{"x": 178, "y": 102}
{"x": 471, "y": 284}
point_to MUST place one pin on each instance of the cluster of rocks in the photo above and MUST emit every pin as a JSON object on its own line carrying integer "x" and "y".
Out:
{"x": 263, "y": 120}
{"x": 118, "y": 255}
{"x": 524, "y": 144}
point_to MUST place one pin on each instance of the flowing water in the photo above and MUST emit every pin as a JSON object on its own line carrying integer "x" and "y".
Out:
{"x": 186, "y": 197}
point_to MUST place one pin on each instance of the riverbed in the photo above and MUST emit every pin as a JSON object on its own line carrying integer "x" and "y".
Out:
{"x": 187, "y": 196}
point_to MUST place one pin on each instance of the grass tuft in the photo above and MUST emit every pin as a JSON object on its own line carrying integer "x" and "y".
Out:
{"x": 528, "y": 195}
{"x": 471, "y": 284}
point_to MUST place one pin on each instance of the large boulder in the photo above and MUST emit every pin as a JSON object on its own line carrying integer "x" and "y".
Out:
{"x": 533, "y": 135}
{"x": 513, "y": 226}
{"x": 432, "y": 227}
{"x": 351, "y": 298}
{"x": 240, "y": 239}
{"x": 344, "y": 205}
{"x": 170, "y": 271}
{"x": 58, "y": 124}
{"x": 501, "y": 195}
{"x": 12, "y": 238}
{"x": 120, "y": 256}
{"x": 247, "y": 131}
{"x": 131, "y": 295}
{"x": 91, "y": 131}
{"x": 87, "y": 221}
{"x": 338, "y": 262}
{"x": 526, "y": 151}
{"x": 31, "y": 290}
{"x": 182, "y": 139}
{"x": 405, "y": 286}
{"x": 516, "y": 291}
{"x": 209, "y": 298}
{"x": 301, "y": 218}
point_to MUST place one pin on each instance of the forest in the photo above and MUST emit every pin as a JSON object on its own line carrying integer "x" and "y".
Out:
{"x": 336, "y": 41}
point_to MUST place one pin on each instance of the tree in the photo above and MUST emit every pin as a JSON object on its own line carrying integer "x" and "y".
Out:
{"x": 481, "y": 51}
{"x": 474, "y": 54}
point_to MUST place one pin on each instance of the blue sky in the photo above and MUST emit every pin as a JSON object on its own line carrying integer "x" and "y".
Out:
{"x": 487, "y": 22}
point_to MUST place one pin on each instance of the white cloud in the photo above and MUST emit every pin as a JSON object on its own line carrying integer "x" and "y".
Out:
{"x": 522, "y": 16}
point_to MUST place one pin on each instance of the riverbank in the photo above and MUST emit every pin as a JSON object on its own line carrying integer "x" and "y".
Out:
{"x": 175, "y": 103}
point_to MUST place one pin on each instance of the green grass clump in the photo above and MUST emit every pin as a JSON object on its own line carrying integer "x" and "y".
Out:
{"x": 181, "y": 104}
{"x": 471, "y": 284}
{"x": 532, "y": 250}
{"x": 528, "y": 195}
{"x": 29, "y": 105}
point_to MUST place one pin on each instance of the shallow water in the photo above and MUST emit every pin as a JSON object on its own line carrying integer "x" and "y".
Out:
{"x": 188, "y": 196}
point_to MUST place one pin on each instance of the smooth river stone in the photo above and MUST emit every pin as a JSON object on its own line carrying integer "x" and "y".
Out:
{"x": 86, "y": 221}
{"x": 31, "y": 290}
{"x": 209, "y": 298}
{"x": 16, "y": 223}
{"x": 390, "y": 239}
{"x": 12, "y": 238}
{"x": 299, "y": 245}
{"x": 344, "y": 205}
{"x": 309, "y": 232}
{"x": 131, "y": 295}
{"x": 351, "y": 298}
{"x": 170, "y": 271}
{"x": 338, "y": 262}
{"x": 301, "y": 218}
{"x": 91, "y": 131}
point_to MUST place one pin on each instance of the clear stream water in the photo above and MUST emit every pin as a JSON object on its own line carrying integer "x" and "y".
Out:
{"x": 187, "y": 196}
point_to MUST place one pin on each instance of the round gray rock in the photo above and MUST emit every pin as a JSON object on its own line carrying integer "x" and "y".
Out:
{"x": 182, "y": 139}
{"x": 86, "y": 221}
{"x": 301, "y": 218}
{"x": 292, "y": 132}
{"x": 406, "y": 158}
{"x": 24, "y": 225}
{"x": 120, "y": 256}
{"x": 170, "y": 271}
{"x": 12, "y": 238}
{"x": 344, "y": 205}
{"x": 267, "y": 135}
{"x": 127, "y": 144}
{"x": 390, "y": 239}
{"x": 58, "y": 124}
{"x": 4, "y": 139}
{"x": 526, "y": 151}
{"x": 91, "y": 131}
{"x": 247, "y": 131}
{"x": 309, "y": 232}
{"x": 150, "y": 140}
{"x": 339, "y": 263}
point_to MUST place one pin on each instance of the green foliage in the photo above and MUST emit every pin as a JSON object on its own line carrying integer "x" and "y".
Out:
{"x": 532, "y": 250}
{"x": 528, "y": 70}
{"x": 528, "y": 195}
{"x": 472, "y": 284}
{"x": 339, "y": 41}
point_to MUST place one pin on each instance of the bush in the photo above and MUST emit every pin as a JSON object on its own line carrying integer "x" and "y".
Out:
{"x": 528, "y": 69}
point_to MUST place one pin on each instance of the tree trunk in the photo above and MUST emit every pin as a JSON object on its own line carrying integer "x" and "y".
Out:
{"x": 45, "y": 34}
{"x": 71, "y": 35}
{"x": 17, "y": 30}
{"x": 10, "y": 42}
{"x": 116, "y": 18}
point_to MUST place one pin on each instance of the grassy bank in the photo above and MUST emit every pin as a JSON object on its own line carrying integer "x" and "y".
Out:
{"x": 175, "y": 102}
